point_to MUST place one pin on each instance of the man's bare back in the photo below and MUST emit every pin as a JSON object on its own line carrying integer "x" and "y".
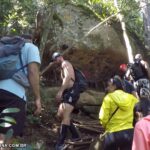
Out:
{"x": 67, "y": 73}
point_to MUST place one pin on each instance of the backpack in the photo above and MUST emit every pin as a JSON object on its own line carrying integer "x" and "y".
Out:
{"x": 10, "y": 53}
{"x": 138, "y": 71}
{"x": 81, "y": 80}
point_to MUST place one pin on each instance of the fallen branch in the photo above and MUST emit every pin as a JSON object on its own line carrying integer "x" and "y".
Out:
{"x": 82, "y": 142}
{"x": 100, "y": 130}
{"x": 94, "y": 122}
{"x": 114, "y": 15}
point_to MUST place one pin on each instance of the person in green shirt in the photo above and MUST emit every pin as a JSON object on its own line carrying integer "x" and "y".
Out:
{"x": 116, "y": 116}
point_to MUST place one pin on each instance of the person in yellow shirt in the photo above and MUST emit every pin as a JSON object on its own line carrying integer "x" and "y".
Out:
{"x": 116, "y": 116}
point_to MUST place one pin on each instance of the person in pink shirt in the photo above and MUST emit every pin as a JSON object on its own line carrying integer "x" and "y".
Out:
{"x": 141, "y": 138}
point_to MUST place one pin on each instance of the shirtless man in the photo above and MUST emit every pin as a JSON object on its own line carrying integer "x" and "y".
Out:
{"x": 67, "y": 96}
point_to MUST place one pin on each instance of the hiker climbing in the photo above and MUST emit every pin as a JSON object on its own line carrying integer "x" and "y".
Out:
{"x": 127, "y": 85}
{"x": 66, "y": 97}
{"x": 19, "y": 64}
{"x": 139, "y": 72}
{"x": 116, "y": 116}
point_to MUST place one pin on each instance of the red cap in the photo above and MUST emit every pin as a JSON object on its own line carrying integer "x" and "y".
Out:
{"x": 123, "y": 67}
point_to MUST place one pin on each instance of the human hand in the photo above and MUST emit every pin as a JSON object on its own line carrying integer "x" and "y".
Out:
{"x": 38, "y": 106}
{"x": 59, "y": 97}
{"x": 138, "y": 116}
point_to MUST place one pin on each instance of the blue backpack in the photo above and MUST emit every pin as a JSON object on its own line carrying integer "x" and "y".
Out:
{"x": 10, "y": 53}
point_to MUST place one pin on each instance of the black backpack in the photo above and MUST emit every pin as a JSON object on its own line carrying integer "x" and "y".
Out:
{"x": 138, "y": 71}
{"x": 81, "y": 80}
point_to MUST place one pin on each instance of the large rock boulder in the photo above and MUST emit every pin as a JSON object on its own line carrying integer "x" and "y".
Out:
{"x": 98, "y": 51}
{"x": 89, "y": 102}
{"x": 91, "y": 98}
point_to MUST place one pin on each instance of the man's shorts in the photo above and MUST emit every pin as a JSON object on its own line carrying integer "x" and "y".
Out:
{"x": 71, "y": 95}
{"x": 9, "y": 100}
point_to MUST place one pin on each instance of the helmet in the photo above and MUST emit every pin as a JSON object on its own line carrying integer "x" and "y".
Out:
{"x": 138, "y": 56}
{"x": 123, "y": 67}
{"x": 55, "y": 55}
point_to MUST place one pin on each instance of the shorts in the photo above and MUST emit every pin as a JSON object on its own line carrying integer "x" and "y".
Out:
{"x": 9, "y": 100}
{"x": 142, "y": 83}
{"x": 71, "y": 95}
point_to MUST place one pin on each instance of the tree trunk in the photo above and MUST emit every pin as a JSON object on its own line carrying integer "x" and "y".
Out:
{"x": 125, "y": 35}
{"x": 146, "y": 19}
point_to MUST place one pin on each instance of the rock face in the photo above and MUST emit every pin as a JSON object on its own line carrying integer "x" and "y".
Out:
{"x": 97, "y": 52}
{"x": 90, "y": 102}
{"x": 77, "y": 30}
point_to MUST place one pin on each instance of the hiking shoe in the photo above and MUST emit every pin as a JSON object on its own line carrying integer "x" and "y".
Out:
{"x": 61, "y": 147}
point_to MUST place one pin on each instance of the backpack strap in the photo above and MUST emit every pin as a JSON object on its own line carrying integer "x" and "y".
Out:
{"x": 21, "y": 62}
{"x": 113, "y": 112}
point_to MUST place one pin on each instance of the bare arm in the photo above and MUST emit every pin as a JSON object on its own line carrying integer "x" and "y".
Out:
{"x": 47, "y": 68}
{"x": 128, "y": 75}
{"x": 146, "y": 66}
{"x": 33, "y": 75}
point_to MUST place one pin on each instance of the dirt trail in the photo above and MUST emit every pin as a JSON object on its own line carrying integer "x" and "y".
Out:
{"x": 43, "y": 135}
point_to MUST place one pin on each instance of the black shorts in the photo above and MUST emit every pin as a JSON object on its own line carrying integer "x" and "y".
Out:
{"x": 71, "y": 95}
{"x": 119, "y": 140}
{"x": 9, "y": 100}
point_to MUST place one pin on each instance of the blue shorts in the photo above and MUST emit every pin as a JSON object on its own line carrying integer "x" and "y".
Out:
{"x": 71, "y": 95}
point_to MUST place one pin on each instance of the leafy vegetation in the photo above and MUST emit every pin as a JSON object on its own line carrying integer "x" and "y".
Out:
{"x": 18, "y": 16}
{"x": 8, "y": 121}
{"x": 129, "y": 8}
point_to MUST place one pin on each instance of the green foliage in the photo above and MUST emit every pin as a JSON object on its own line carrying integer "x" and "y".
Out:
{"x": 105, "y": 8}
{"x": 19, "y": 16}
{"x": 15, "y": 16}
{"x": 133, "y": 17}
{"x": 8, "y": 121}
{"x": 33, "y": 119}
{"x": 10, "y": 110}
{"x": 101, "y": 9}
{"x": 5, "y": 124}
{"x": 8, "y": 135}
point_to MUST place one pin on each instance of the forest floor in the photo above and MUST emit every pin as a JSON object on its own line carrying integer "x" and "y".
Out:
{"x": 42, "y": 134}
